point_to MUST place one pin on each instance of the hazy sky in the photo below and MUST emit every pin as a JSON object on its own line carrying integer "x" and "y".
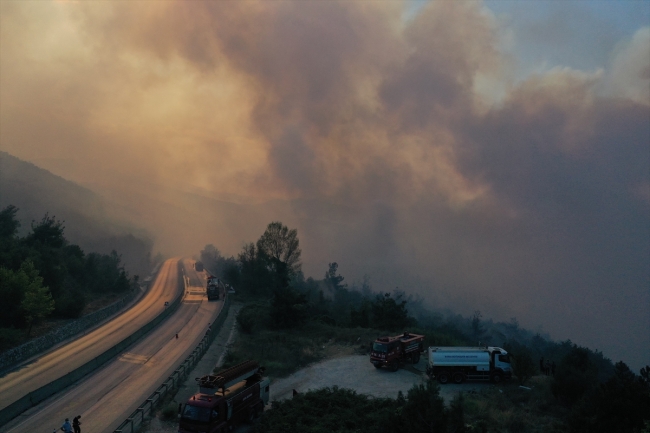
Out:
{"x": 490, "y": 156}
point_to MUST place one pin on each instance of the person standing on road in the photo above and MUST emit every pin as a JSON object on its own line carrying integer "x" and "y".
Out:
{"x": 76, "y": 424}
{"x": 66, "y": 427}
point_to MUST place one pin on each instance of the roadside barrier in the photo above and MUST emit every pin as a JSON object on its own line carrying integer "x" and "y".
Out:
{"x": 15, "y": 356}
{"x": 35, "y": 397}
{"x": 137, "y": 418}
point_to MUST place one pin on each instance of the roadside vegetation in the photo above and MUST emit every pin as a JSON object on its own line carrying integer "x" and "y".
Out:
{"x": 506, "y": 408}
{"x": 289, "y": 321}
{"x": 45, "y": 278}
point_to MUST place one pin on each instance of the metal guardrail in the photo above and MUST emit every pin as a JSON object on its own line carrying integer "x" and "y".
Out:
{"x": 136, "y": 419}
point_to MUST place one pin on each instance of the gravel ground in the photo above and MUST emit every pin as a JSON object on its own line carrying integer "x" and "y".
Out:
{"x": 357, "y": 373}
{"x": 354, "y": 372}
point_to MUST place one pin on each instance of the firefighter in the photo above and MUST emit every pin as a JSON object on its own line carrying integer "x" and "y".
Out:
{"x": 66, "y": 427}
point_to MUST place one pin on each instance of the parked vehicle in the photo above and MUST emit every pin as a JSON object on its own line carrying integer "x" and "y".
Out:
{"x": 225, "y": 400}
{"x": 391, "y": 352}
{"x": 458, "y": 364}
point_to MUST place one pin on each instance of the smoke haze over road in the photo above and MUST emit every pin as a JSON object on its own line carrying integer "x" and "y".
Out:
{"x": 411, "y": 144}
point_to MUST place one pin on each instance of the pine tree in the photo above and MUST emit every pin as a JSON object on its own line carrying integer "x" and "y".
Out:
{"x": 37, "y": 303}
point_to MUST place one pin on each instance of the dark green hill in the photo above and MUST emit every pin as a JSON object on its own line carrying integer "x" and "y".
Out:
{"x": 35, "y": 192}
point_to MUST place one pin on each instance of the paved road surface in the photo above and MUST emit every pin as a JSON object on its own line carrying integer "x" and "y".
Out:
{"x": 61, "y": 361}
{"x": 104, "y": 399}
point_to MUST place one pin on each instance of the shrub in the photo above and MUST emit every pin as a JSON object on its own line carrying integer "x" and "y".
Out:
{"x": 288, "y": 308}
{"x": 457, "y": 413}
{"x": 425, "y": 409}
{"x": 575, "y": 376}
{"x": 251, "y": 318}
{"x": 10, "y": 337}
{"x": 170, "y": 411}
{"x": 327, "y": 410}
{"x": 523, "y": 365}
{"x": 70, "y": 304}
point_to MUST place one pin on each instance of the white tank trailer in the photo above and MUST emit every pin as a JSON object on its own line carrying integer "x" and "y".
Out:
{"x": 458, "y": 364}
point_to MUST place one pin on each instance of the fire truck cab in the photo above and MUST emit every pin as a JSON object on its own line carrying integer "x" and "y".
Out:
{"x": 225, "y": 400}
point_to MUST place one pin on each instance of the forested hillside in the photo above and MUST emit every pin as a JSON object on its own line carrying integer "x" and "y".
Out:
{"x": 86, "y": 215}
{"x": 43, "y": 275}
{"x": 288, "y": 320}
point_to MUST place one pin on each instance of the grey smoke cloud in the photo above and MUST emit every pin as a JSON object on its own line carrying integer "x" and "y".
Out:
{"x": 399, "y": 147}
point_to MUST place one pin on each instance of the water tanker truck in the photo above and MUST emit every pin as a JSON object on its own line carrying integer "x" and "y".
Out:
{"x": 390, "y": 352}
{"x": 225, "y": 400}
{"x": 457, "y": 364}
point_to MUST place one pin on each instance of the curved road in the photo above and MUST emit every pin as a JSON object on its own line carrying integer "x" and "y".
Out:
{"x": 107, "y": 397}
{"x": 61, "y": 361}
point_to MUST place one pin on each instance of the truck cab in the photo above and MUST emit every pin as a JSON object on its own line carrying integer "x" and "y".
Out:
{"x": 200, "y": 413}
{"x": 501, "y": 361}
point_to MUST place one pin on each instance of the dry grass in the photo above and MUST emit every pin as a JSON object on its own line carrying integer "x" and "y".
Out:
{"x": 286, "y": 351}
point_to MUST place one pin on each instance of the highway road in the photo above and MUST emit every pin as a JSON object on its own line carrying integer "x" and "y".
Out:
{"x": 68, "y": 357}
{"x": 107, "y": 397}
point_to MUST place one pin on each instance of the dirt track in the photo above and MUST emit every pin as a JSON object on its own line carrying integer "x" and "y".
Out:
{"x": 354, "y": 372}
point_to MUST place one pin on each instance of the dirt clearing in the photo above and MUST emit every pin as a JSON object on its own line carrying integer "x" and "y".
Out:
{"x": 357, "y": 373}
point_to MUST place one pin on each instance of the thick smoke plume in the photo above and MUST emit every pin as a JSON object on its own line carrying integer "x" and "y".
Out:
{"x": 400, "y": 145}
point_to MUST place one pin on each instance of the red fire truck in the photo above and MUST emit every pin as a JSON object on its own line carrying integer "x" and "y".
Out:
{"x": 225, "y": 400}
{"x": 393, "y": 351}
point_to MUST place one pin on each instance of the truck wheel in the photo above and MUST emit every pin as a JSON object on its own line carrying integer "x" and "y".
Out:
{"x": 394, "y": 366}
{"x": 377, "y": 365}
{"x": 496, "y": 377}
{"x": 443, "y": 377}
{"x": 416, "y": 358}
{"x": 459, "y": 377}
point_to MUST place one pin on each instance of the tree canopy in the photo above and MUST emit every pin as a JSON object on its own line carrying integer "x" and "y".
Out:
{"x": 37, "y": 303}
{"x": 42, "y": 274}
{"x": 281, "y": 245}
